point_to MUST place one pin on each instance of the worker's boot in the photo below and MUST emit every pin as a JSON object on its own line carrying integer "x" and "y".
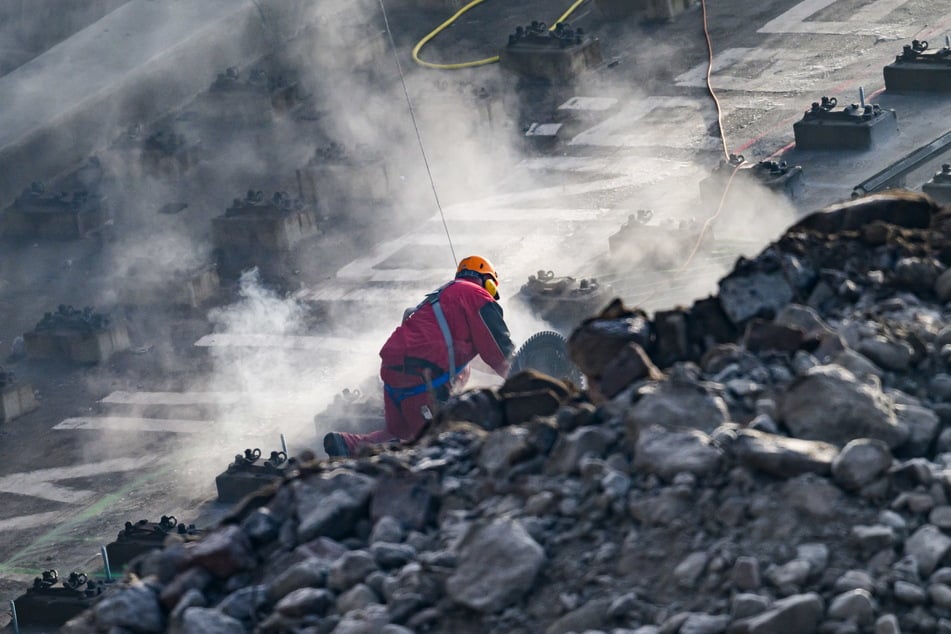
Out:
{"x": 335, "y": 446}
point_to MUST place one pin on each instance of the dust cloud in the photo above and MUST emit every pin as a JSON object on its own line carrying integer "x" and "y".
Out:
{"x": 285, "y": 361}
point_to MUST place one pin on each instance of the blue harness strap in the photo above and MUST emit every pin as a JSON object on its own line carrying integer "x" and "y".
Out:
{"x": 400, "y": 394}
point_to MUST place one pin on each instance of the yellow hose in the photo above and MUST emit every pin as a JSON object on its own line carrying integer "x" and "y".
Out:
{"x": 565, "y": 15}
{"x": 479, "y": 62}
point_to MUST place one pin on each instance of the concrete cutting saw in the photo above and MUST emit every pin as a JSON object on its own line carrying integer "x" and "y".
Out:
{"x": 547, "y": 352}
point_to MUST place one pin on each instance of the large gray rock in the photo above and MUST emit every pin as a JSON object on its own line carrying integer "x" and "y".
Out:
{"x": 910, "y": 593}
{"x": 209, "y": 621}
{"x": 191, "y": 599}
{"x": 503, "y": 448}
{"x": 305, "y": 601}
{"x": 667, "y": 453}
{"x": 816, "y": 553}
{"x": 940, "y": 516}
{"x": 828, "y": 403}
{"x": 590, "y": 616}
{"x": 224, "y": 552}
{"x": 928, "y": 545}
{"x": 814, "y": 496}
{"x": 308, "y": 573}
{"x": 589, "y": 440}
{"x": 860, "y": 462}
{"x": 887, "y": 354}
{"x": 392, "y": 555}
{"x": 757, "y": 293}
{"x": 923, "y": 426}
{"x": 887, "y": 624}
{"x": 873, "y": 538}
{"x": 498, "y": 563}
{"x": 803, "y": 317}
{"x": 330, "y": 503}
{"x": 677, "y": 406}
{"x": 859, "y": 365}
{"x": 782, "y": 456}
{"x": 666, "y": 508}
{"x": 243, "y": 604}
{"x": 387, "y": 529}
{"x": 704, "y": 624}
{"x": 855, "y": 605}
{"x": 854, "y": 580}
{"x": 351, "y": 568}
{"x": 136, "y": 608}
{"x": 688, "y": 571}
{"x": 940, "y": 595}
{"x": 356, "y": 598}
{"x": 799, "y": 613}
{"x": 745, "y": 605}
{"x": 790, "y": 574}
{"x": 942, "y": 286}
{"x": 917, "y": 274}
{"x": 745, "y": 573}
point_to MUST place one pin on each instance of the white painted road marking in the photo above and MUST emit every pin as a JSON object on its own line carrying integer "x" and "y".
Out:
{"x": 173, "y": 398}
{"x": 40, "y": 483}
{"x": 132, "y": 423}
{"x": 24, "y": 522}
{"x": 194, "y": 398}
{"x": 863, "y": 22}
{"x": 588, "y": 104}
{"x": 777, "y": 70}
{"x": 673, "y": 122}
{"x": 279, "y": 342}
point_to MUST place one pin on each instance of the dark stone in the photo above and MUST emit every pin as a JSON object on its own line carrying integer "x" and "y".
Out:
{"x": 523, "y": 406}
{"x": 630, "y": 364}
{"x": 762, "y": 335}
{"x": 330, "y": 504}
{"x": 671, "y": 337}
{"x": 597, "y": 340}
{"x": 191, "y": 579}
{"x": 782, "y": 456}
{"x": 412, "y": 499}
{"x": 708, "y": 324}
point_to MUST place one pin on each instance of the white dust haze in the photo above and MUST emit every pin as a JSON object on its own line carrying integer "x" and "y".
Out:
{"x": 279, "y": 370}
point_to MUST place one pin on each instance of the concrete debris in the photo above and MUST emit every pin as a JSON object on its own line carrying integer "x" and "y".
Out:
{"x": 770, "y": 460}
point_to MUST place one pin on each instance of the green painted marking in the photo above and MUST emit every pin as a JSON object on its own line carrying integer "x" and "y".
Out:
{"x": 13, "y": 570}
{"x": 90, "y": 511}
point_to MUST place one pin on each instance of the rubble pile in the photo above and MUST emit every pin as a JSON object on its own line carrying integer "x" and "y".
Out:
{"x": 773, "y": 459}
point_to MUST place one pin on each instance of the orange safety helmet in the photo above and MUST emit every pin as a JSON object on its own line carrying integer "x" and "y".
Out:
{"x": 477, "y": 267}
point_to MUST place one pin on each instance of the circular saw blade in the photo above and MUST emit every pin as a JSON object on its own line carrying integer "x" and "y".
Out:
{"x": 546, "y": 352}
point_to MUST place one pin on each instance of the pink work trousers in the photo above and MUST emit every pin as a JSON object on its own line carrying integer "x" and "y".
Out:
{"x": 404, "y": 421}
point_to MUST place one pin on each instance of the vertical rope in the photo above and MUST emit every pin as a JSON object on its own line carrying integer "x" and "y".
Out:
{"x": 419, "y": 137}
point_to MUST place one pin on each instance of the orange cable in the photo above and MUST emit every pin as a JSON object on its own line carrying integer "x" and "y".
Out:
{"x": 716, "y": 100}
{"x": 726, "y": 152}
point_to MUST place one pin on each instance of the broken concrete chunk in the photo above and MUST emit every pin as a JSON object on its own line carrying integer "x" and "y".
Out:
{"x": 667, "y": 453}
{"x": 798, "y": 613}
{"x": 678, "y": 406}
{"x": 782, "y": 456}
{"x": 860, "y": 462}
{"x": 828, "y": 403}
{"x": 928, "y": 545}
{"x": 498, "y": 562}
{"x": 754, "y": 294}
